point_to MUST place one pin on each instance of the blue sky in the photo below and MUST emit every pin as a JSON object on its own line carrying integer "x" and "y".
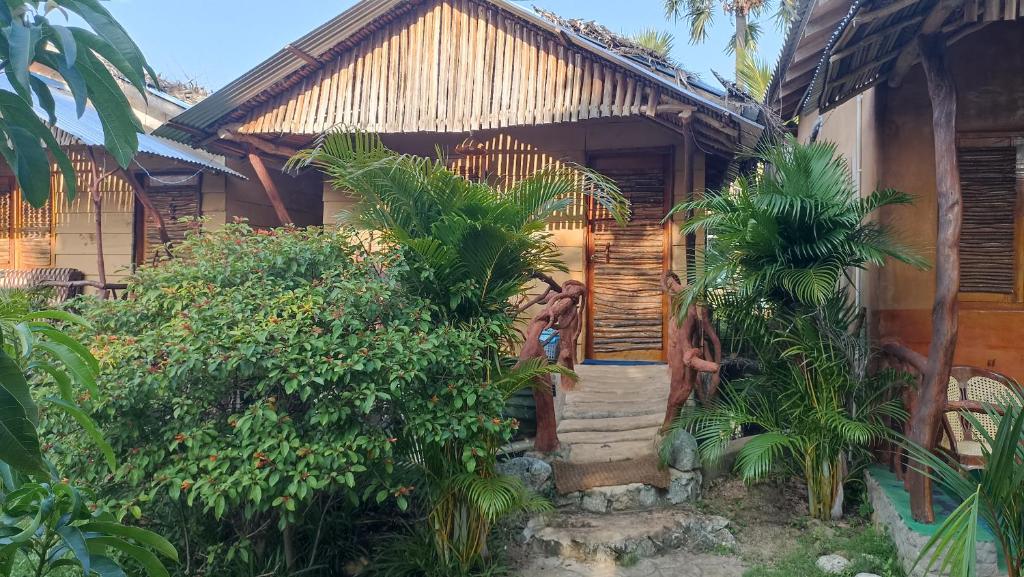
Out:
{"x": 214, "y": 41}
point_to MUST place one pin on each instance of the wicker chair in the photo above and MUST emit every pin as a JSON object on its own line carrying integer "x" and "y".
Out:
{"x": 29, "y": 279}
{"x": 971, "y": 389}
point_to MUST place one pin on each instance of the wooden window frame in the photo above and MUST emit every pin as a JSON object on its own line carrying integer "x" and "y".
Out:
{"x": 1016, "y": 298}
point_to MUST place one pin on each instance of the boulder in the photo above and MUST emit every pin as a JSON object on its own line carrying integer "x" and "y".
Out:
{"x": 594, "y": 503}
{"x": 866, "y": 575}
{"x": 832, "y": 564}
{"x": 684, "y": 486}
{"x": 533, "y": 472}
{"x": 682, "y": 452}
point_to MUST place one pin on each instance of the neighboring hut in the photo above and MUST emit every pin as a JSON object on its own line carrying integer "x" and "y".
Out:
{"x": 503, "y": 91}
{"x": 140, "y": 206}
{"x": 927, "y": 96}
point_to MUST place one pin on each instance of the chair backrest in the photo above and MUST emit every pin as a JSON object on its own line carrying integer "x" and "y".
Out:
{"x": 974, "y": 384}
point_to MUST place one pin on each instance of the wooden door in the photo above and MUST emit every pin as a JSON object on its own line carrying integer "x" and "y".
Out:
{"x": 627, "y": 307}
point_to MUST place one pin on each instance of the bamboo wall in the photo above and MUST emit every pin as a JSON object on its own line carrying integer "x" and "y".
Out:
{"x": 454, "y": 66}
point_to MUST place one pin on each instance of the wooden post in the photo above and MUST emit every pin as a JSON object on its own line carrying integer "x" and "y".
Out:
{"x": 270, "y": 188}
{"x": 97, "y": 206}
{"x": 931, "y": 399}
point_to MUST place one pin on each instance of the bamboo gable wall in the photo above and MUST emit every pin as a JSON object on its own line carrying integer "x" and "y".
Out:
{"x": 454, "y": 66}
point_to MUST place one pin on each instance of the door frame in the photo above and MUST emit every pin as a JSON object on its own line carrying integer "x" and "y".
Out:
{"x": 668, "y": 153}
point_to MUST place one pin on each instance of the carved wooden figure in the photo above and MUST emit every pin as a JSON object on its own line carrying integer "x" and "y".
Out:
{"x": 560, "y": 312}
{"x": 694, "y": 348}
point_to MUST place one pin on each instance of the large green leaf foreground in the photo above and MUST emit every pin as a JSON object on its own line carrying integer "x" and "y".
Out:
{"x": 79, "y": 56}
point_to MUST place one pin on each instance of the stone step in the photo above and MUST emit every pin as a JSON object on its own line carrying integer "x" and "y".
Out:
{"x": 610, "y": 424}
{"x": 599, "y": 437}
{"x": 684, "y": 487}
{"x": 591, "y": 537}
{"x": 595, "y": 411}
{"x": 605, "y": 452}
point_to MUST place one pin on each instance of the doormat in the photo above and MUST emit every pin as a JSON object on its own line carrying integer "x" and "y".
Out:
{"x": 572, "y": 477}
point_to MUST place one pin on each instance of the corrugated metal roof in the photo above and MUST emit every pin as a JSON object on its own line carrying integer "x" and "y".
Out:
{"x": 88, "y": 129}
{"x": 206, "y": 115}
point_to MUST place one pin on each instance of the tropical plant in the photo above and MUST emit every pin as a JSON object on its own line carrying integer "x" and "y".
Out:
{"x": 754, "y": 76}
{"x": 81, "y": 57}
{"x": 787, "y": 234}
{"x": 815, "y": 404}
{"x": 47, "y": 528}
{"x": 700, "y": 15}
{"x": 471, "y": 247}
{"x": 33, "y": 348}
{"x": 262, "y": 375}
{"x": 993, "y": 494}
{"x": 657, "y": 41}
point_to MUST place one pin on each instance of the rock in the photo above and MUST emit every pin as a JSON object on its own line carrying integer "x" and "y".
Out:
{"x": 865, "y": 575}
{"x": 628, "y": 497}
{"x": 594, "y": 503}
{"x": 533, "y": 472}
{"x": 571, "y": 500}
{"x": 682, "y": 454}
{"x": 684, "y": 487}
{"x": 832, "y": 564}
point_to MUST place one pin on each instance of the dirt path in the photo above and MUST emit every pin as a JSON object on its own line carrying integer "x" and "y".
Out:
{"x": 675, "y": 564}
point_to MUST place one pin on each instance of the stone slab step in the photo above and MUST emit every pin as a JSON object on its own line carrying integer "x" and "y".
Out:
{"x": 605, "y": 452}
{"x": 600, "y": 437}
{"x": 638, "y": 534}
{"x": 610, "y": 424}
{"x": 608, "y": 410}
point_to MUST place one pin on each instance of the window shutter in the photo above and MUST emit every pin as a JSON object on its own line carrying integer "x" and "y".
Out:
{"x": 35, "y": 246}
{"x": 7, "y": 222}
{"x": 175, "y": 196}
{"x": 988, "y": 246}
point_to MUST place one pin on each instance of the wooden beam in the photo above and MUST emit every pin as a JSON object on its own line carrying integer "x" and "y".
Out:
{"x": 865, "y": 17}
{"x": 931, "y": 399}
{"x": 675, "y": 108}
{"x": 908, "y": 55}
{"x": 270, "y": 188}
{"x": 230, "y": 132}
{"x": 876, "y": 35}
{"x": 302, "y": 54}
{"x": 875, "y": 63}
{"x": 140, "y": 193}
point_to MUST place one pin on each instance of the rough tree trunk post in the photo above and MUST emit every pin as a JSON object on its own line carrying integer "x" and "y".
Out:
{"x": 561, "y": 313}
{"x": 741, "y": 38}
{"x": 689, "y": 342}
{"x": 97, "y": 207}
{"x": 927, "y": 415}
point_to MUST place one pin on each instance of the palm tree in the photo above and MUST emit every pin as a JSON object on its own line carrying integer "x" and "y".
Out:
{"x": 787, "y": 234}
{"x": 994, "y": 494}
{"x": 700, "y": 14}
{"x": 472, "y": 247}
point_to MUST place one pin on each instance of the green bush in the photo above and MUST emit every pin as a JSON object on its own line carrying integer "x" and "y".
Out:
{"x": 265, "y": 378}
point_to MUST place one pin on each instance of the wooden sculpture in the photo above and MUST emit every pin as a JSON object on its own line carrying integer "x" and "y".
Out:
{"x": 693, "y": 348}
{"x": 560, "y": 312}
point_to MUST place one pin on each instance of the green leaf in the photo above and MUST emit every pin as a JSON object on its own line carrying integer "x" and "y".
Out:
{"x": 19, "y": 442}
{"x": 90, "y": 428}
{"x": 16, "y": 111}
{"x": 150, "y": 562}
{"x": 75, "y": 541}
{"x": 144, "y": 536}
{"x": 31, "y": 167}
{"x": 21, "y": 49}
{"x": 106, "y": 567}
{"x": 120, "y": 126}
{"x": 82, "y": 373}
{"x": 44, "y": 97}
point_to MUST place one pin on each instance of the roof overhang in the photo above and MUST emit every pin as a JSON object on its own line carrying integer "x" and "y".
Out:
{"x": 200, "y": 124}
{"x": 868, "y": 42}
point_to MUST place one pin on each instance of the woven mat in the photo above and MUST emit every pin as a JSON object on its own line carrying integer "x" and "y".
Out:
{"x": 572, "y": 477}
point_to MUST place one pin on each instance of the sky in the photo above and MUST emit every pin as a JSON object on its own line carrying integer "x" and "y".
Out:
{"x": 214, "y": 41}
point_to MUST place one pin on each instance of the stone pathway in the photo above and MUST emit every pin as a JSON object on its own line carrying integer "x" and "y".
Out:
{"x": 672, "y": 564}
{"x": 614, "y": 413}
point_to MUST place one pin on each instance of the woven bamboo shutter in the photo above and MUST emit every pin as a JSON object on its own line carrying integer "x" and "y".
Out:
{"x": 7, "y": 222}
{"x": 35, "y": 239}
{"x": 177, "y": 197}
{"x": 990, "y": 178}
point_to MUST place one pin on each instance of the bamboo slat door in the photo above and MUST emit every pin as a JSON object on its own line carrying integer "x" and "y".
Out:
{"x": 627, "y": 307}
